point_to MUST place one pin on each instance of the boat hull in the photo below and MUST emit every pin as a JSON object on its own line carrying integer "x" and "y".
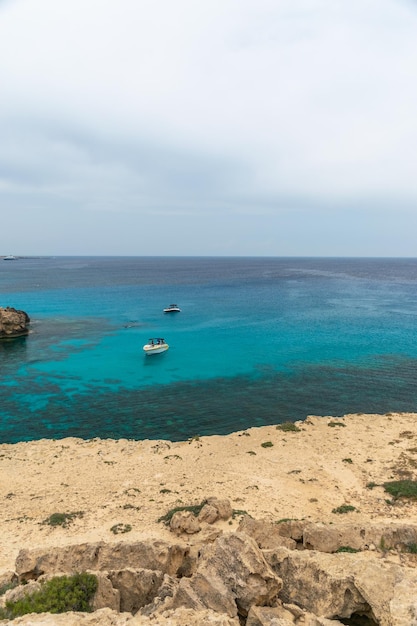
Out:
{"x": 149, "y": 349}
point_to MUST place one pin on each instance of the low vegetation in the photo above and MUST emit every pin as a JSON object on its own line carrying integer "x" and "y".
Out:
{"x": 57, "y": 595}
{"x": 344, "y": 508}
{"x": 194, "y": 508}
{"x": 411, "y": 548}
{"x": 402, "y": 489}
{"x": 120, "y": 529}
{"x": 347, "y": 549}
{"x": 289, "y": 427}
{"x": 62, "y": 519}
{"x": 333, "y": 424}
{"x": 267, "y": 444}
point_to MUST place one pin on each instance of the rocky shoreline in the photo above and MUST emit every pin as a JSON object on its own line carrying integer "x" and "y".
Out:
{"x": 13, "y": 323}
{"x": 280, "y": 525}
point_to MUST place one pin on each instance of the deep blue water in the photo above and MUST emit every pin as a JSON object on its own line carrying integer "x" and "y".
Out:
{"x": 259, "y": 341}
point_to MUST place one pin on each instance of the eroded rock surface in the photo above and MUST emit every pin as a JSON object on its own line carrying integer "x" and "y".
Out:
{"x": 233, "y": 580}
{"x": 13, "y": 323}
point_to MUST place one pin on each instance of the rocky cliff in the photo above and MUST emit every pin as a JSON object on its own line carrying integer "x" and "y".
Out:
{"x": 232, "y": 579}
{"x": 13, "y": 323}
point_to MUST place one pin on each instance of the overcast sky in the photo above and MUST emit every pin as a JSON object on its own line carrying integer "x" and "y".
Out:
{"x": 208, "y": 127}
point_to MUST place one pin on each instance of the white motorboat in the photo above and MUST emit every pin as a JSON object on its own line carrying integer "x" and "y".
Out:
{"x": 9, "y": 257}
{"x": 155, "y": 345}
{"x": 172, "y": 308}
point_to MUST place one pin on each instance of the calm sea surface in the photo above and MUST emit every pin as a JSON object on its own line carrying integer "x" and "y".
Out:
{"x": 259, "y": 341}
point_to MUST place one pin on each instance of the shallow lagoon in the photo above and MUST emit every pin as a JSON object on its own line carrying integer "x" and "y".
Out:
{"x": 258, "y": 341}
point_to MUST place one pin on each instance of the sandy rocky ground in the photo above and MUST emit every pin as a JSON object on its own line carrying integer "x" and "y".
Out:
{"x": 117, "y": 490}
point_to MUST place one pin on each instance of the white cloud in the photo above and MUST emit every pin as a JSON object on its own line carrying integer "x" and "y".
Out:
{"x": 199, "y": 109}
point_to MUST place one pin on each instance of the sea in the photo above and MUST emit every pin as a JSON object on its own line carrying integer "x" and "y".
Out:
{"x": 258, "y": 341}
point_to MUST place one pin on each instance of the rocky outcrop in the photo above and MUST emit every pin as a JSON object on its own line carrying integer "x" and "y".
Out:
{"x": 106, "y": 617}
{"x": 151, "y": 555}
{"x": 331, "y": 538}
{"x": 339, "y": 586}
{"x": 232, "y": 575}
{"x": 266, "y": 534}
{"x": 13, "y": 323}
{"x": 255, "y": 576}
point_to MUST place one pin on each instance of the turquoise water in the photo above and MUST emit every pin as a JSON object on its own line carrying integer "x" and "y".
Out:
{"x": 258, "y": 341}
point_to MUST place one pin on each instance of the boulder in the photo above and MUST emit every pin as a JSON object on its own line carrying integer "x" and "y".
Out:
{"x": 222, "y": 508}
{"x": 232, "y": 575}
{"x": 13, "y": 323}
{"x": 184, "y": 522}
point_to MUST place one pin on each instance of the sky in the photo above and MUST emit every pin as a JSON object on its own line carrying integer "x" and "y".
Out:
{"x": 209, "y": 127}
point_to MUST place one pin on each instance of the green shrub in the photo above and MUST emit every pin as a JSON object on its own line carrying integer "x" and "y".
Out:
{"x": 267, "y": 444}
{"x": 194, "y": 508}
{"x": 62, "y": 519}
{"x": 402, "y": 489}
{"x": 333, "y": 424}
{"x": 411, "y": 548}
{"x": 347, "y": 549}
{"x": 118, "y": 529}
{"x": 288, "y": 427}
{"x": 347, "y": 460}
{"x": 57, "y": 595}
{"x": 7, "y": 586}
{"x": 371, "y": 485}
{"x": 344, "y": 508}
{"x": 239, "y": 513}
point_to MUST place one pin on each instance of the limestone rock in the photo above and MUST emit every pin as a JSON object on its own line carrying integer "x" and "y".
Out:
{"x": 185, "y": 617}
{"x": 267, "y": 616}
{"x": 106, "y": 595}
{"x": 13, "y": 323}
{"x": 136, "y": 588}
{"x": 107, "y": 617}
{"x": 208, "y": 514}
{"x": 266, "y": 534}
{"x": 344, "y": 585}
{"x": 222, "y": 507}
{"x": 19, "y": 592}
{"x": 281, "y": 616}
{"x": 231, "y": 576}
{"x": 153, "y": 555}
{"x": 184, "y": 522}
{"x": 329, "y": 538}
{"x": 163, "y": 599}
{"x": 102, "y": 617}
{"x": 292, "y": 528}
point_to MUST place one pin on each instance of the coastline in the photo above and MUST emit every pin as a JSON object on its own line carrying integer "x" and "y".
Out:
{"x": 111, "y": 490}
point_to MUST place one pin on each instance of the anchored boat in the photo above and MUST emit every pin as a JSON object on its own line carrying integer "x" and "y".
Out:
{"x": 172, "y": 308}
{"x": 155, "y": 345}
